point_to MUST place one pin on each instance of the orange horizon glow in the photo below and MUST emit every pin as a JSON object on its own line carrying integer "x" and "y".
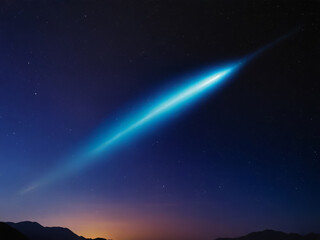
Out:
{"x": 119, "y": 222}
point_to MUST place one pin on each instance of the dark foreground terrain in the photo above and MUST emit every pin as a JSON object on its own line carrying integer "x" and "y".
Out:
{"x": 275, "y": 235}
{"x": 35, "y": 231}
{"x": 9, "y": 233}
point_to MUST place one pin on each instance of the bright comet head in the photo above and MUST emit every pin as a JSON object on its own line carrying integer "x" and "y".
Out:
{"x": 160, "y": 110}
{"x": 164, "y": 107}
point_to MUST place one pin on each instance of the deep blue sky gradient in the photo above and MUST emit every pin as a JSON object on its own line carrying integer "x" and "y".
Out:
{"x": 243, "y": 159}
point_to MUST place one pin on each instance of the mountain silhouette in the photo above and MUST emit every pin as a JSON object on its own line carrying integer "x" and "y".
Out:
{"x": 35, "y": 231}
{"x": 275, "y": 235}
{"x": 9, "y": 233}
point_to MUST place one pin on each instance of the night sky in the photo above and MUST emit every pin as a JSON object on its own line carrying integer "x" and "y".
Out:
{"x": 244, "y": 158}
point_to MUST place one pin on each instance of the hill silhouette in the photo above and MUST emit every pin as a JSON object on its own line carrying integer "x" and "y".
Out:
{"x": 275, "y": 235}
{"x": 35, "y": 231}
{"x": 9, "y": 233}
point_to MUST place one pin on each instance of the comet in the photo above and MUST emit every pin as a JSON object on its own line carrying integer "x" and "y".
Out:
{"x": 162, "y": 109}
{"x": 171, "y": 104}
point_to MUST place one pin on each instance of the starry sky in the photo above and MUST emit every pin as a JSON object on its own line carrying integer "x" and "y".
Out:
{"x": 244, "y": 158}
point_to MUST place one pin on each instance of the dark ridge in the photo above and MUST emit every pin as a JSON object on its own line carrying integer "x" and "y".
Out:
{"x": 274, "y": 235}
{"x": 9, "y": 233}
{"x": 35, "y": 231}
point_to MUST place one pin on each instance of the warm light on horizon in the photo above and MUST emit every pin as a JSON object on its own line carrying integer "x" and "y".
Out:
{"x": 124, "y": 222}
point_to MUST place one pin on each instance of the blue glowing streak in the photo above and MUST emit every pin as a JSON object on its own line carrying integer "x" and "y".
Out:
{"x": 175, "y": 101}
